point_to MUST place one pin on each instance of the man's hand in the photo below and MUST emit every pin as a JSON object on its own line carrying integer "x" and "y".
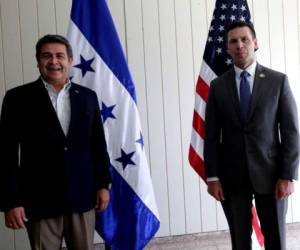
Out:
{"x": 215, "y": 189}
{"x": 15, "y": 218}
{"x": 284, "y": 188}
{"x": 102, "y": 199}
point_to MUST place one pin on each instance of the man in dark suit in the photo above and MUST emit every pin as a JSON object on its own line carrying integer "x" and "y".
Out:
{"x": 54, "y": 162}
{"x": 251, "y": 145}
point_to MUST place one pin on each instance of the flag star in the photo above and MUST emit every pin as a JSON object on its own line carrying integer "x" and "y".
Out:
{"x": 221, "y": 28}
{"x": 125, "y": 159}
{"x": 228, "y": 61}
{"x": 106, "y": 112}
{"x": 223, "y": 7}
{"x": 243, "y": 19}
{"x": 220, "y": 39}
{"x": 211, "y": 28}
{"x": 243, "y": 8}
{"x": 85, "y": 65}
{"x": 141, "y": 140}
{"x": 232, "y": 18}
{"x": 209, "y": 39}
{"x": 222, "y": 17}
{"x": 219, "y": 51}
{"x": 234, "y": 7}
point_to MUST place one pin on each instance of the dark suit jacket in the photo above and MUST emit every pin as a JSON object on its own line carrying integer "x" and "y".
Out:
{"x": 263, "y": 149}
{"x": 43, "y": 170}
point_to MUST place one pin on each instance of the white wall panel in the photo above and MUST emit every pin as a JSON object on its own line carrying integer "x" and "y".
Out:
{"x": 296, "y": 196}
{"x": 118, "y": 13}
{"x": 28, "y": 25}
{"x": 7, "y": 240}
{"x": 210, "y": 6}
{"x": 276, "y": 35}
{"x": 2, "y": 76}
{"x": 171, "y": 115}
{"x": 164, "y": 42}
{"x": 62, "y": 15}
{"x": 136, "y": 60}
{"x": 12, "y": 55}
{"x": 157, "y": 146}
{"x": 208, "y": 210}
{"x": 46, "y": 17}
{"x": 21, "y": 240}
{"x": 6, "y": 236}
{"x": 208, "y": 205}
{"x": 250, "y": 6}
{"x": 290, "y": 10}
{"x": 261, "y": 23}
{"x": 199, "y": 22}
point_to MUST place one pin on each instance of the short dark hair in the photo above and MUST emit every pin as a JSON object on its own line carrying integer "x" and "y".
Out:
{"x": 52, "y": 39}
{"x": 240, "y": 25}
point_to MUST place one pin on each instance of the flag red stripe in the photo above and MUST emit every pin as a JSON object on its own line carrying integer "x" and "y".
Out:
{"x": 197, "y": 163}
{"x": 199, "y": 124}
{"x": 202, "y": 89}
{"x": 256, "y": 227}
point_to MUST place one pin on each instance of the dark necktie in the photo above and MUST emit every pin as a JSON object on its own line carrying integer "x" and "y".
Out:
{"x": 245, "y": 95}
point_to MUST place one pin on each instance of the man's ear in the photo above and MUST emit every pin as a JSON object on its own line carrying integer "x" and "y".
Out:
{"x": 255, "y": 45}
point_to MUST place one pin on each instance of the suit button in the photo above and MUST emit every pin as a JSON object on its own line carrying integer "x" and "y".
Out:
{"x": 66, "y": 148}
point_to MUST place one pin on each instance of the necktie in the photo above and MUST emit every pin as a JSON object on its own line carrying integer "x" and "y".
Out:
{"x": 245, "y": 95}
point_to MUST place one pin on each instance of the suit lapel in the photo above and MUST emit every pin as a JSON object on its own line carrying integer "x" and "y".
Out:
{"x": 45, "y": 107}
{"x": 233, "y": 93}
{"x": 75, "y": 107}
{"x": 258, "y": 85}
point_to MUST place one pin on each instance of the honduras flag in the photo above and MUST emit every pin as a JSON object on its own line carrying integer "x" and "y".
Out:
{"x": 131, "y": 219}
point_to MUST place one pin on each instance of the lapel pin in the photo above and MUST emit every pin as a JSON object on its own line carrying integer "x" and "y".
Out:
{"x": 262, "y": 75}
{"x": 76, "y": 91}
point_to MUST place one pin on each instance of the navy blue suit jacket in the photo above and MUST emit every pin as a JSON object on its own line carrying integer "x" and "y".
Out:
{"x": 43, "y": 170}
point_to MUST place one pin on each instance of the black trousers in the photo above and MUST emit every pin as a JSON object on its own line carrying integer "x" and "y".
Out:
{"x": 271, "y": 213}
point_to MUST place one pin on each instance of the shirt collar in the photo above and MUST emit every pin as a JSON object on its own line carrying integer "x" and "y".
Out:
{"x": 50, "y": 88}
{"x": 250, "y": 69}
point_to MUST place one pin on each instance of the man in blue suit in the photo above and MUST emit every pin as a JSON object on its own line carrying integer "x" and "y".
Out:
{"x": 251, "y": 147}
{"x": 54, "y": 162}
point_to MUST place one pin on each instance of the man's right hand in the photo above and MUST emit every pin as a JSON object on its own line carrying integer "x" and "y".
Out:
{"x": 15, "y": 218}
{"x": 215, "y": 189}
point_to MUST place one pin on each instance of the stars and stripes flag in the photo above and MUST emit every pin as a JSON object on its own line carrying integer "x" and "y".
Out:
{"x": 131, "y": 219}
{"x": 215, "y": 62}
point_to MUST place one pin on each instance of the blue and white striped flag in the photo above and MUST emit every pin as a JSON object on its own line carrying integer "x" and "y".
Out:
{"x": 131, "y": 219}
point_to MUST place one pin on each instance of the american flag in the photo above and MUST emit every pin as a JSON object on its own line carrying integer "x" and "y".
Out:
{"x": 215, "y": 62}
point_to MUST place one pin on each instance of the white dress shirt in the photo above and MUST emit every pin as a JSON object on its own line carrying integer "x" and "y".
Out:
{"x": 250, "y": 77}
{"x": 61, "y": 103}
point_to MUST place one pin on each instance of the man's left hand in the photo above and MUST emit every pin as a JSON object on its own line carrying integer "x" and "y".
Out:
{"x": 284, "y": 188}
{"x": 102, "y": 199}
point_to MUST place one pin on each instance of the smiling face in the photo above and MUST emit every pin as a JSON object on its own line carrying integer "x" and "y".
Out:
{"x": 54, "y": 63}
{"x": 241, "y": 46}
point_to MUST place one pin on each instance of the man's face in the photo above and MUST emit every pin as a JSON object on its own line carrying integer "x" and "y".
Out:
{"x": 241, "y": 46}
{"x": 54, "y": 63}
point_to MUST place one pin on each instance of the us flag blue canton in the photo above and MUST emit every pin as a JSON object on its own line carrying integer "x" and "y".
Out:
{"x": 131, "y": 219}
{"x": 225, "y": 13}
